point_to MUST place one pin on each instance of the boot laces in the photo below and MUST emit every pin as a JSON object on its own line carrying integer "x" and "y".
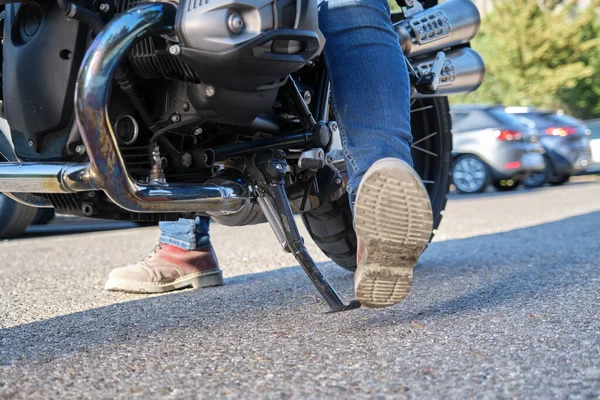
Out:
{"x": 154, "y": 252}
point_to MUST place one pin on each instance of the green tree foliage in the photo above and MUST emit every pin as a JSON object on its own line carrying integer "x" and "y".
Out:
{"x": 542, "y": 53}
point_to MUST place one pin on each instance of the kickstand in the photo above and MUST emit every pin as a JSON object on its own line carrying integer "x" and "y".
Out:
{"x": 276, "y": 207}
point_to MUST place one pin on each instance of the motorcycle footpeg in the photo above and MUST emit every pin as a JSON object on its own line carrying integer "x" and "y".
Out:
{"x": 429, "y": 83}
{"x": 275, "y": 205}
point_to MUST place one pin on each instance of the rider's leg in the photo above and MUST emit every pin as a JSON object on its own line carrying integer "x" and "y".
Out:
{"x": 371, "y": 92}
{"x": 183, "y": 258}
{"x": 371, "y": 89}
{"x": 187, "y": 234}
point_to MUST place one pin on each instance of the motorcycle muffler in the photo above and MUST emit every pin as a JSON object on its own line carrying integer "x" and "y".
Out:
{"x": 463, "y": 71}
{"x": 452, "y": 23}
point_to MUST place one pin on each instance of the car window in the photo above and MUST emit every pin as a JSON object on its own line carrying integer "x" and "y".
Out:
{"x": 503, "y": 117}
{"x": 527, "y": 121}
{"x": 458, "y": 116}
{"x": 476, "y": 120}
{"x": 561, "y": 119}
{"x": 545, "y": 120}
{"x": 537, "y": 119}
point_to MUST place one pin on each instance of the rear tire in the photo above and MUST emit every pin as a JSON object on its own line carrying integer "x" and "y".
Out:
{"x": 536, "y": 180}
{"x": 14, "y": 217}
{"x": 331, "y": 225}
{"x": 559, "y": 180}
{"x": 539, "y": 179}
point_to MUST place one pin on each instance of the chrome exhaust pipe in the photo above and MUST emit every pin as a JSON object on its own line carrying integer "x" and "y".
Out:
{"x": 19, "y": 180}
{"x": 107, "y": 169}
{"x": 463, "y": 71}
{"x": 452, "y": 23}
{"x": 32, "y": 200}
{"x": 33, "y": 177}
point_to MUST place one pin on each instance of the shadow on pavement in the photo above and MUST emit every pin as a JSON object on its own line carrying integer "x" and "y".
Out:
{"x": 68, "y": 226}
{"x": 491, "y": 273}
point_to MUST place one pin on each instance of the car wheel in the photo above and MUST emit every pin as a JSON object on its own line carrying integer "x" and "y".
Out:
{"x": 506, "y": 185}
{"x": 470, "y": 174}
{"x": 14, "y": 217}
{"x": 537, "y": 179}
{"x": 559, "y": 180}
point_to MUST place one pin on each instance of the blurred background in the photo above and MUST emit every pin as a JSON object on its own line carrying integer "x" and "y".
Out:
{"x": 534, "y": 121}
{"x": 540, "y": 53}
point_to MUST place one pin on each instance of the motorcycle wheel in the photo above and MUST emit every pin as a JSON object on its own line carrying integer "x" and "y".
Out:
{"x": 14, "y": 217}
{"x": 331, "y": 225}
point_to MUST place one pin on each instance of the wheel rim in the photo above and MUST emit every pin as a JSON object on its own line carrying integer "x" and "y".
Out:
{"x": 427, "y": 150}
{"x": 469, "y": 174}
{"x": 535, "y": 179}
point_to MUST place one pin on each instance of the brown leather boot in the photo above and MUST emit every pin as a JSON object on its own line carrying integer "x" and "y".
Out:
{"x": 168, "y": 268}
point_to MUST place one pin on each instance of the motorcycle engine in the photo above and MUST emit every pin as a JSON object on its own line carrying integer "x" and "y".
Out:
{"x": 233, "y": 54}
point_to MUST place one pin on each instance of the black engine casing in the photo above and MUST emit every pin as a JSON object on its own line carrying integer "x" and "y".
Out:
{"x": 42, "y": 52}
{"x": 232, "y": 76}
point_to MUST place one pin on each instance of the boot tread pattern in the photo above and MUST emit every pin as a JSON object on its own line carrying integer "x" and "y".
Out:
{"x": 394, "y": 221}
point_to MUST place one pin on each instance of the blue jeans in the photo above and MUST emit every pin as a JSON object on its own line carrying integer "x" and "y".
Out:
{"x": 371, "y": 97}
{"x": 187, "y": 234}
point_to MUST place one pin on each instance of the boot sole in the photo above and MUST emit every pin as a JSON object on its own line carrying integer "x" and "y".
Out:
{"x": 394, "y": 221}
{"x": 196, "y": 281}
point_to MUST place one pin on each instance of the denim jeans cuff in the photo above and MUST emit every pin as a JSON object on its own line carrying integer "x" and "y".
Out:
{"x": 186, "y": 245}
{"x": 182, "y": 244}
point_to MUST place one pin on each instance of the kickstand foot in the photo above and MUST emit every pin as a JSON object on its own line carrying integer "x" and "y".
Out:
{"x": 276, "y": 207}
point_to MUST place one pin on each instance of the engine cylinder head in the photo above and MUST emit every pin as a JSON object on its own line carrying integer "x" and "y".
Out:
{"x": 248, "y": 45}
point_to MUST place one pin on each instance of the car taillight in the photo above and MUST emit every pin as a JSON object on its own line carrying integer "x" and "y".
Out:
{"x": 509, "y": 135}
{"x": 513, "y": 165}
{"x": 561, "y": 131}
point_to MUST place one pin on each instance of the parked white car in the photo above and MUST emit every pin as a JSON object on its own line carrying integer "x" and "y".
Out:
{"x": 594, "y": 126}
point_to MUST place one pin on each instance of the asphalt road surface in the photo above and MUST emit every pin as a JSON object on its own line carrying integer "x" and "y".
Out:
{"x": 505, "y": 304}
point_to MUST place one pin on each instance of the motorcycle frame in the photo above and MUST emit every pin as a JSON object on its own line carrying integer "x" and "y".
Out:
{"x": 106, "y": 170}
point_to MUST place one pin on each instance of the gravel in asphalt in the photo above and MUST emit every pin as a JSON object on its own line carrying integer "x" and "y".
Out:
{"x": 505, "y": 304}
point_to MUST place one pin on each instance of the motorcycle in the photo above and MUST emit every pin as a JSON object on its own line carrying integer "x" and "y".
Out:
{"x": 153, "y": 111}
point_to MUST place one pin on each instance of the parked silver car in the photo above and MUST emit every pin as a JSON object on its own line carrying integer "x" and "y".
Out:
{"x": 491, "y": 146}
